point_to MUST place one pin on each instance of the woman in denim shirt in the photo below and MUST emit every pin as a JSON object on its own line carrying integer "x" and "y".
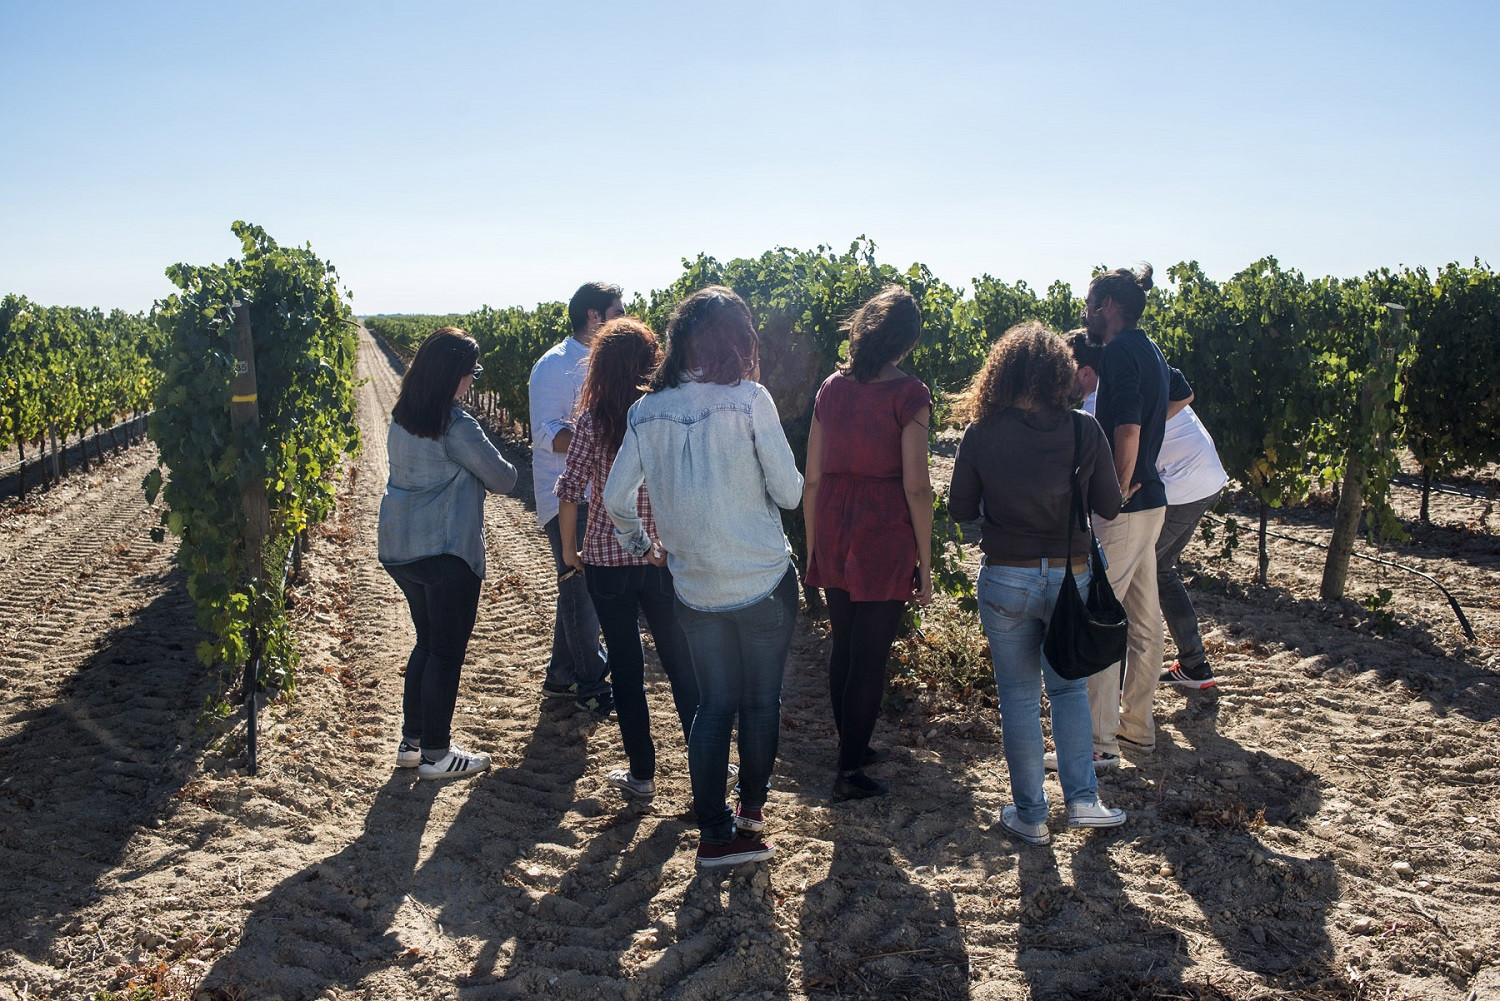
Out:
{"x": 431, "y": 540}
{"x": 708, "y": 444}
{"x": 1013, "y": 471}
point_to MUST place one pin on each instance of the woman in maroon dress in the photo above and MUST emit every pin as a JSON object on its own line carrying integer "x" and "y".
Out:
{"x": 868, "y": 502}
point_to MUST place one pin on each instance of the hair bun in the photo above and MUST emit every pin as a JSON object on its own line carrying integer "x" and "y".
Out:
{"x": 1143, "y": 278}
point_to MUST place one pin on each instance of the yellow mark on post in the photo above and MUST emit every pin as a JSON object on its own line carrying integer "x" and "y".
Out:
{"x": 242, "y": 399}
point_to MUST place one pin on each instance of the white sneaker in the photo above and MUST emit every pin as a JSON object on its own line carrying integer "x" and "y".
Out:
{"x": 1101, "y": 761}
{"x": 631, "y": 786}
{"x": 734, "y": 779}
{"x": 408, "y": 755}
{"x": 456, "y": 764}
{"x": 1032, "y": 834}
{"x": 1094, "y": 814}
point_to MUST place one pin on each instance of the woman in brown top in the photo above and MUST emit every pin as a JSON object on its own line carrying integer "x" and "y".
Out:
{"x": 1013, "y": 470}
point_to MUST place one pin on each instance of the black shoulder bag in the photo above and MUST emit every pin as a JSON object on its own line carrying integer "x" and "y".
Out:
{"x": 1084, "y": 637}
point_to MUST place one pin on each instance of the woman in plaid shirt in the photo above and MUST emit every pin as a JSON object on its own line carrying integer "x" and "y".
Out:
{"x": 623, "y": 586}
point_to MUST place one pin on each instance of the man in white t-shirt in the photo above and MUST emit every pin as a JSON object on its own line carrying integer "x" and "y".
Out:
{"x": 1194, "y": 477}
{"x": 578, "y": 668}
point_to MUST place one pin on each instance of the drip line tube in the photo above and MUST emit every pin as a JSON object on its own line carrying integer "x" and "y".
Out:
{"x": 1463, "y": 620}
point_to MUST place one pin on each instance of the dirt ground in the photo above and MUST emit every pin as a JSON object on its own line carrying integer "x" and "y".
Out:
{"x": 1322, "y": 825}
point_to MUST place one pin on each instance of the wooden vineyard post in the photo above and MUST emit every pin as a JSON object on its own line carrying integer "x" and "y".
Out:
{"x": 1357, "y": 469}
{"x": 244, "y": 409}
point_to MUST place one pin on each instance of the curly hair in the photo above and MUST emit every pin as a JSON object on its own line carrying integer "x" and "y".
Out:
{"x": 880, "y": 331}
{"x": 1029, "y": 366}
{"x": 711, "y": 335}
{"x": 624, "y": 355}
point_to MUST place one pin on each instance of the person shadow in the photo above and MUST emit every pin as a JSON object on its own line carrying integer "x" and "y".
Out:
{"x": 121, "y": 720}
{"x": 385, "y": 902}
{"x": 881, "y": 921}
{"x": 607, "y": 902}
{"x": 869, "y": 930}
{"x": 1267, "y": 908}
{"x": 1220, "y": 883}
{"x": 331, "y": 923}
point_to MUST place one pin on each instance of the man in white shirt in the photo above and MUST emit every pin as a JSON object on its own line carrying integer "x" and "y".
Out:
{"x": 578, "y": 668}
{"x": 1190, "y": 468}
{"x": 1088, "y": 356}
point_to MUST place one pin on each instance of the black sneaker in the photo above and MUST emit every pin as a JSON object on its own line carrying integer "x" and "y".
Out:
{"x": 1199, "y": 677}
{"x": 858, "y": 785}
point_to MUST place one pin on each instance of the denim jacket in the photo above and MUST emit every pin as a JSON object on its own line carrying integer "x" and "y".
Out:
{"x": 717, "y": 466}
{"x": 434, "y": 498}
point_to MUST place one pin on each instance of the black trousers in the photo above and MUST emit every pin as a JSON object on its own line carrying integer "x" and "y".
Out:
{"x": 443, "y": 595}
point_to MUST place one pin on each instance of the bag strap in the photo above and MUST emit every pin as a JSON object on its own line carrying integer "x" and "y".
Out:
{"x": 1075, "y": 502}
{"x": 1075, "y": 499}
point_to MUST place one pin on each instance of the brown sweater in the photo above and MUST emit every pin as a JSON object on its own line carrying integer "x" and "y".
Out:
{"x": 1016, "y": 464}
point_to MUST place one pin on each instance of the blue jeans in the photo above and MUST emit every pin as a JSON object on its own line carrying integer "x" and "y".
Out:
{"x": 577, "y": 658}
{"x": 621, "y": 595}
{"x": 443, "y": 595}
{"x": 1176, "y": 607}
{"x": 1015, "y": 605}
{"x": 738, "y": 657}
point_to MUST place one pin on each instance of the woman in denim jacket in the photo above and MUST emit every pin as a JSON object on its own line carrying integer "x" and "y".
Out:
{"x": 1013, "y": 470}
{"x": 623, "y": 587}
{"x": 431, "y": 540}
{"x": 708, "y": 444}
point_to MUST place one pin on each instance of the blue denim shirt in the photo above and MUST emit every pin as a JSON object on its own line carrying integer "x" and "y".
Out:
{"x": 434, "y": 498}
{"x": 717, "y": 466}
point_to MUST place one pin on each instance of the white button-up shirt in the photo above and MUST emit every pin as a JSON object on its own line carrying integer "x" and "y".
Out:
{"x": 556, "y": 383}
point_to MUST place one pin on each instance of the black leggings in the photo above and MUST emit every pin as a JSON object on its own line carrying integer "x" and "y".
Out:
{"x": 863, "y": 632}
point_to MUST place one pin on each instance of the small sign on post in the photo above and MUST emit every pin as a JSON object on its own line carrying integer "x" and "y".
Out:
{"x": 244, "y": 409}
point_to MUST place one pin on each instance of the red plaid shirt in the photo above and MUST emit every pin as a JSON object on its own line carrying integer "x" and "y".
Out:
{"x": 587, "y": 469}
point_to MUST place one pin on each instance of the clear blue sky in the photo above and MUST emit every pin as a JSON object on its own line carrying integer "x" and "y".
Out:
{"x": 445, "y": 155}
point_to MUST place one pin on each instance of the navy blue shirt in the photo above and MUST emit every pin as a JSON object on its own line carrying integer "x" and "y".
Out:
{"x": 1133, "y": 382}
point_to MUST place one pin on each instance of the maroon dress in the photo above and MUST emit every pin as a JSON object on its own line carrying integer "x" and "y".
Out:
{"x": 864, "y": 537}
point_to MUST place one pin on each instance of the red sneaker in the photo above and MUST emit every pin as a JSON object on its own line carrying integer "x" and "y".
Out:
{"x": 741, "y": 849}
{"x": 749, "y": 820}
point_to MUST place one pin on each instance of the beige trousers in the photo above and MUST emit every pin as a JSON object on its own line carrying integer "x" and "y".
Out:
{"x": 1129, "y": 544}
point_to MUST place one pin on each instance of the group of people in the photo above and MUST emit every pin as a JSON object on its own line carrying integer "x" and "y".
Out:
{"x": 660, "y": 472}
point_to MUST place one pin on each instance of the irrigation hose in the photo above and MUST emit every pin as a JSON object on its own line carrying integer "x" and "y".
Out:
{"x": 1463, "y": 620}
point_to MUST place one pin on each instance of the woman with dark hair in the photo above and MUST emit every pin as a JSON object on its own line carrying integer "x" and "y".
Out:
{"x": 1013, "y": 469}
{"x": 708, "y": 444}
{"x": 868, "y": 503}
{"x": 431, "y": 540}
{"x": 623, "y": 586}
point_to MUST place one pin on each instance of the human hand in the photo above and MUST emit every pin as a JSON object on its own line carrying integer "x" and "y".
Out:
{"x": 656, "y": 555}
{"x": 1128, "y": 492}
{"x": 922, "y": 593}
{"x": 573, "y": 559}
